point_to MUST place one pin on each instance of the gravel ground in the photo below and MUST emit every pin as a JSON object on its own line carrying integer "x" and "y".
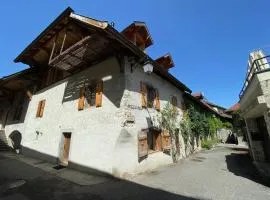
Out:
{"x": 223, "y": 173}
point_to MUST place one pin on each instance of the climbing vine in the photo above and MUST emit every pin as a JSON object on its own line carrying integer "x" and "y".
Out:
{"x": 168, "y": 121}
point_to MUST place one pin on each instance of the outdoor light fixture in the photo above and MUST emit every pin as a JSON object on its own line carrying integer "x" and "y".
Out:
{"x": 148, "y": 68}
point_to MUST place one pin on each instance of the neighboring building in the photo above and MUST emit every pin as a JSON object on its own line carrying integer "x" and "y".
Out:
{"x": 255, "y": 105}
{"x": 86, "y": 100}
{"x": 215, "y": 109}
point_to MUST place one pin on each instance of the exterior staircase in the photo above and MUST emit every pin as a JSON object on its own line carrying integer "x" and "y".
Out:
{"x": 3, "y": 142}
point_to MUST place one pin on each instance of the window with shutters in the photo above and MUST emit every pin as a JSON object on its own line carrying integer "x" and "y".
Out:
{"x": 40, "y": 109}
{"x": 149, "y": 96}
{"x": 91, "y": 95}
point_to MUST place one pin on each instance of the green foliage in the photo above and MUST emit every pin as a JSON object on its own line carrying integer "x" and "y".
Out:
{"x": 214, "y": 124}
{"x": 209, "y": 143}
{"x": 186, "y": 127}
{"x": 199, "y": 124}
{"x": 227, "y": 125}
{"x": 167, "y": 119}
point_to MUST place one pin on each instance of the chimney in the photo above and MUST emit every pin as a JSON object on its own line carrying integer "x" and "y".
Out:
{"x": 138, "y": 34}
{"x": 165, "y": 62}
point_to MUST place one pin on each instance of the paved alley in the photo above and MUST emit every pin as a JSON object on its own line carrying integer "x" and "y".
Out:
{"x": 222, "y": 173}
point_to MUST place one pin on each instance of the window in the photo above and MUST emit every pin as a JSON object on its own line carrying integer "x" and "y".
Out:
{"x": 91, "y": 95}
{"x": 40, "y": 109}
{"x": 91, "y": 91}
{"x": 174, "y": 101}
{"x": 149, "y": 96}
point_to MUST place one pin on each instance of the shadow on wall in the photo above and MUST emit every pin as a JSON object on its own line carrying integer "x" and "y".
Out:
{"x": 240, "y": 164}
{"x": 16, "y": 114}
{"x": 16, "y": 138}
{"x": 109, "y": 188}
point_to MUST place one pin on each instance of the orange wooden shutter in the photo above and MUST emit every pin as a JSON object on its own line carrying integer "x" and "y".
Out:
{"x": 166, "y": 141}
{"x": 142, "y": 145}
{"x": 81, "y": 99}
{"x": 38, "y": 109}
{"x": 42, "y": 108}
{"x": 99, "y": 94}
{"x": 157, "y": 102}
{"x": 143, "y": 95}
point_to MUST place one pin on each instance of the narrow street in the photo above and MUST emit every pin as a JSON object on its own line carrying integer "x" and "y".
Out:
{"x": 222, "y": 173}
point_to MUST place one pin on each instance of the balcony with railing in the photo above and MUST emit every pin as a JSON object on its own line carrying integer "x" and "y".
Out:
{"x": 255, "y": 66}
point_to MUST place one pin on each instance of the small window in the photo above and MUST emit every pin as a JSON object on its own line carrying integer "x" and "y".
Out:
{"x": 91, "y": 91}
{"x": 40, "y": 109}
{"x": 91, "y": 95}
{"x": 151, "y": 94}
{"x": 174, "y": 101}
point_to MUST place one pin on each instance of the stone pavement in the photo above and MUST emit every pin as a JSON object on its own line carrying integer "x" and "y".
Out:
{"x": 223, "y": 173}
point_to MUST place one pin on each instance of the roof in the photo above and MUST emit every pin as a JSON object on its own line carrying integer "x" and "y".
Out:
{"x": 198, "y": 95}
{"x": 234, "y": 108}
{"x": 112, "y": 33}
{"x": 199, "y": 98}
{"x": 165, "y": 61}
{"x": 141, "y": 28}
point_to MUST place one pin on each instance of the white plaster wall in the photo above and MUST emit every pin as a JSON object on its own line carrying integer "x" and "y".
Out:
{"x": 127, "y": 160}
{"x": 100, "y": 137}
{"x": 94, "y": 130}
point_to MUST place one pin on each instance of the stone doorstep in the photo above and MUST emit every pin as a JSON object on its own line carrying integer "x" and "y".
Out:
{"x": 71, "y": 175}
{"x": 263, "y": 169}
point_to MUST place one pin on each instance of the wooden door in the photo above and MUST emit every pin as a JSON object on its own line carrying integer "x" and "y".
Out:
{"x": 157, "y": 140}
{"x": 66, "y": 146}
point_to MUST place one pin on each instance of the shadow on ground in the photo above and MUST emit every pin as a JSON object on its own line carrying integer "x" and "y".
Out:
{"x": 240, "y": 163}
{"x": 43, "y": 185}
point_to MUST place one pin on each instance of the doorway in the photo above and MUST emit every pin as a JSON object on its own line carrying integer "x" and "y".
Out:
{"x": 65, "y": 148}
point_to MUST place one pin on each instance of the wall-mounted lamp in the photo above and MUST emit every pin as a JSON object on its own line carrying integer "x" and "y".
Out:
{"x": 148, "y": 68}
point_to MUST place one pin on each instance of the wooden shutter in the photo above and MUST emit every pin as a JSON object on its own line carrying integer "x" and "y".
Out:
{"x": 157, "y": 102}
{"x": 166, "y": 141}
{"x": 143, "y": 95}
{"x": 81, "y": 98}
{"x": 99, "y": 94}
{"x": 42, "y": 108}
{"x": 38, "y": 109}
{"x": 142, "y": 144}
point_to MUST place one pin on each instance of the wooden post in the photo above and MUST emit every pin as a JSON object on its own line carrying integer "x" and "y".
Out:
{"x": 63, "y": 43}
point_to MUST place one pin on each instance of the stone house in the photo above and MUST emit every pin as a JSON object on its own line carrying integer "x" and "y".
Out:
{"x": 255, "y": 105}
{"x": 86, "y": 101}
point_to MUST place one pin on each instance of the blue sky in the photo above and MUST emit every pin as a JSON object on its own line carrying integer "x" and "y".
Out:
{"x": 209, "y": 40}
